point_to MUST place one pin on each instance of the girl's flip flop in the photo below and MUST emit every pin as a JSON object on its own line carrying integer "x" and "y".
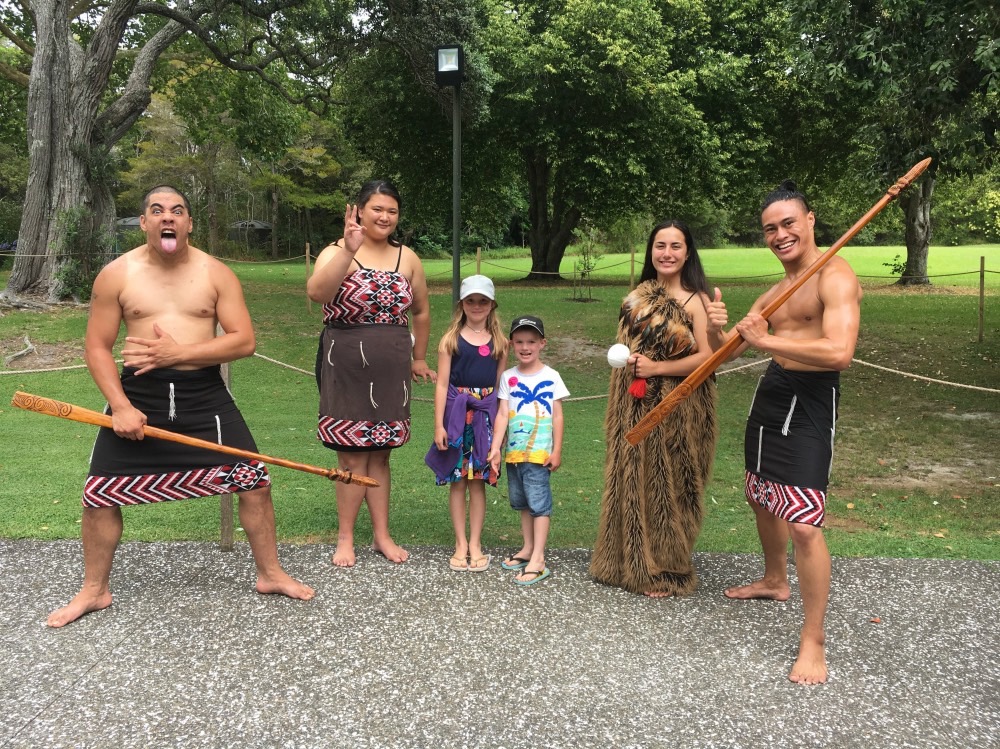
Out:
{"x": 519, "y": 563}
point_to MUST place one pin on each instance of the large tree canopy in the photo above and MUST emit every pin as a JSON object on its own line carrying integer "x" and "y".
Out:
{"x": 89, "y": 70}
{"x": 575, "y": 104}
{"x": 912, "y": 78}
{"x": 584, "y": 109}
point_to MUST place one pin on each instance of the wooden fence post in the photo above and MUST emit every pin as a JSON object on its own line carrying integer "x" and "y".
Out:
{"x": 631, "y": 272}
{"x": 479, "y": 258}
{"x": 982, "y": 293}
{"x": 309, "y": 302}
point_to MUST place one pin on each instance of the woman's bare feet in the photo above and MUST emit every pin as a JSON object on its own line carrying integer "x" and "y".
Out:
{"x": 759, "y": 589}
{"x": 810, "y": 667}
{"x": 285, "y": 585}
{"x": 343, "y": 556}
{"x": 391, "y": 551}
{"x": 83, "y": 603}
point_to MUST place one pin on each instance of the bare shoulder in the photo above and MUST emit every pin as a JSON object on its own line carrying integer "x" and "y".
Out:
{"x": 838, "y": 277}
{"x": 330, "y": 250}
{"x": 837, "y": 266}
{"x": 408, "y": 256}
{"x": 764, "y": 299}
{"x": 409, "y": 263}
{"x": 113, "y": 274}
{"x": 217, "y": 270}
{"x": 696, "y": 309}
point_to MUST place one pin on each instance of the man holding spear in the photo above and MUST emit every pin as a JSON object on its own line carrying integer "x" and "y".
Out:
{"x": 170, "y": 296}
{"x": 790, "y": 430}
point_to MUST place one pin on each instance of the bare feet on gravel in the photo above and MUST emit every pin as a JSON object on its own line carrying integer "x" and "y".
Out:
{"x": 83, "y": 603}
{"x": 391, "y": 551}
{"x": 810, "y": 667}
{"x": 284, "y": 585}
{"x": 344, "y": 555}
{"x": 759, "y": 589}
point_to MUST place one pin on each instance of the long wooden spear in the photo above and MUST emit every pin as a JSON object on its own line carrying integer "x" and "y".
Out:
{"x": 646, "y": 425}
{"x": 51, "y": 407}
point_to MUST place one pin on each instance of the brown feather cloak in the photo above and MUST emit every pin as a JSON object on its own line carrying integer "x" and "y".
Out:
{"x": 651, "y": 509}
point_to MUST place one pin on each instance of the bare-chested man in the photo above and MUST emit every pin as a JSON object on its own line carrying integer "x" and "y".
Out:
{"x": 790, "y": 430}
{"x": 170, "y": 296}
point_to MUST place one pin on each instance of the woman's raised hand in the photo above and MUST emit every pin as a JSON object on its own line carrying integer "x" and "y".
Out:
{"x": 354, "y": 232}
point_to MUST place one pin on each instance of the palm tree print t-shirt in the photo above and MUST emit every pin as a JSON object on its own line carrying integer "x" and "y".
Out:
{"x": 528, "y": 399}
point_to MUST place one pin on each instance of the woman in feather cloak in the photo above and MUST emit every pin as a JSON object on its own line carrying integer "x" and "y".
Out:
{"x": 651, "y": 509}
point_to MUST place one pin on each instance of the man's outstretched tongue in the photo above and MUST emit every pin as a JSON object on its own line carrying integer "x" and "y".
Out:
{"x": 168, "y": 242}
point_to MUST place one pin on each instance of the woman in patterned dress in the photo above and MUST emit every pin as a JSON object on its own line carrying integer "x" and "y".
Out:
{"x": 369, "y": 283}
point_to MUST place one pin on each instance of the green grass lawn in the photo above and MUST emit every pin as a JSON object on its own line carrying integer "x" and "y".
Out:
{"x": 947, "y": 266}
{"x": 916, "y": 471}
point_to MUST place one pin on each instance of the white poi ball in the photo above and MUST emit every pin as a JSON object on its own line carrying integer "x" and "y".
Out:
{"x": 618, "y": 355}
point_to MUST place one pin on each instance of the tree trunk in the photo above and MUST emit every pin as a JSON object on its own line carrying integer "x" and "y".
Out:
{"x": 274, "y": 222}
{"x": 68, "y": 142}
{"x": 916, "y": 205}
{"x": 58, "y": 139}
{"x": 550, "y": 221}
{"x": 211, "y": 197}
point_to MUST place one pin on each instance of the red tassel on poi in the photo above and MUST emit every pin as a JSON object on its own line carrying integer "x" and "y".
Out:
{"x": 638, "y": 387}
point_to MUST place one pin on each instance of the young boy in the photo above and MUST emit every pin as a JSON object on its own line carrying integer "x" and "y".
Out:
{"x": 529, "y": 414}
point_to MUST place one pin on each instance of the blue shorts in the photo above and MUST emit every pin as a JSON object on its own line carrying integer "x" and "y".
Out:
{"x": 529, "y": 489}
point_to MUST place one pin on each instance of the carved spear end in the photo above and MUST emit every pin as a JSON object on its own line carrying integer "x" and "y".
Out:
{"x": 907, "y": 179}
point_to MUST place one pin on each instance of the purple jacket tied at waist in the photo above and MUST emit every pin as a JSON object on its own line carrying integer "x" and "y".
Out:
{"x": 443, "y": 461}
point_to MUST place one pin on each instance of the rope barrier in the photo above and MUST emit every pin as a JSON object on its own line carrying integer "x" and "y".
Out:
{"x": 448, "y": 272}
{"x": 551, "y": 272}
{"x": 49, "y": 369}
{"x": 283, "y": 364}
{"x": 926, "y": 379}
{"x": 260, "y": 262}
{"x": 493, "y": 264}
{"x": 728, "y": 370}
{"x": 42, "y": 371}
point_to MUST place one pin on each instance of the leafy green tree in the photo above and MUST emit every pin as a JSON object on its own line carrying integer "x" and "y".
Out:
{"x": 208, "y": 169}
{"x": 92, "y": 69}
{"x": 910, "y": 79}
{"x": 590, "y": 96}
{"x": 399, "y": 121}
{"x": 571, "y": 108}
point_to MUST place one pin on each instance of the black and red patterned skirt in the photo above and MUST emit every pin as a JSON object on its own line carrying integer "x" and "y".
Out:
{"x": 195, "y": 403}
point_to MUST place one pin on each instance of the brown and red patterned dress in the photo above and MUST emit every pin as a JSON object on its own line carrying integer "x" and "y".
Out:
{"x": 363, "y": 362}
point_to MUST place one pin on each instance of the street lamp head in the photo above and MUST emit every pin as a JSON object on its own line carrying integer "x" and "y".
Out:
{"x": 449, "y": 69}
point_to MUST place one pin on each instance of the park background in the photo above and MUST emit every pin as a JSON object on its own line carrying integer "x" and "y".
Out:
{"x": 916, "y": 471}
{"x": 583, "y": 122}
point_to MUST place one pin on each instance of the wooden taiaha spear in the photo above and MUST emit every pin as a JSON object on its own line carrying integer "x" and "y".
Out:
{"x": 662, "y": 409}
{"x": 51, "y": 407}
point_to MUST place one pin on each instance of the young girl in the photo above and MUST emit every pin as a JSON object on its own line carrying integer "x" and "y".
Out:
{"x": 471, "y": 356}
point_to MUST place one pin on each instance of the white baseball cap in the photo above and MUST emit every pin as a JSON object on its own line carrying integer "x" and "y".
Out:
{"x": 478, "y": 285}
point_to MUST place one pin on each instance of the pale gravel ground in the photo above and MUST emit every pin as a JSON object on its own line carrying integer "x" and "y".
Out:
{"x": 419, "y": 656}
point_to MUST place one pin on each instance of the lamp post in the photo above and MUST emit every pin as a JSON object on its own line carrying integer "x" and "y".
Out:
{"x": 449, "y": 71}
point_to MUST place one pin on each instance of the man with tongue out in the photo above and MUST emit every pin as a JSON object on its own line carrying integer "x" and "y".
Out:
{"x": 170, "y": 297}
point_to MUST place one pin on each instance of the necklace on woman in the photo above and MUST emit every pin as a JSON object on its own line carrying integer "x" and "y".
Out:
{"x": 473, "y": 330}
